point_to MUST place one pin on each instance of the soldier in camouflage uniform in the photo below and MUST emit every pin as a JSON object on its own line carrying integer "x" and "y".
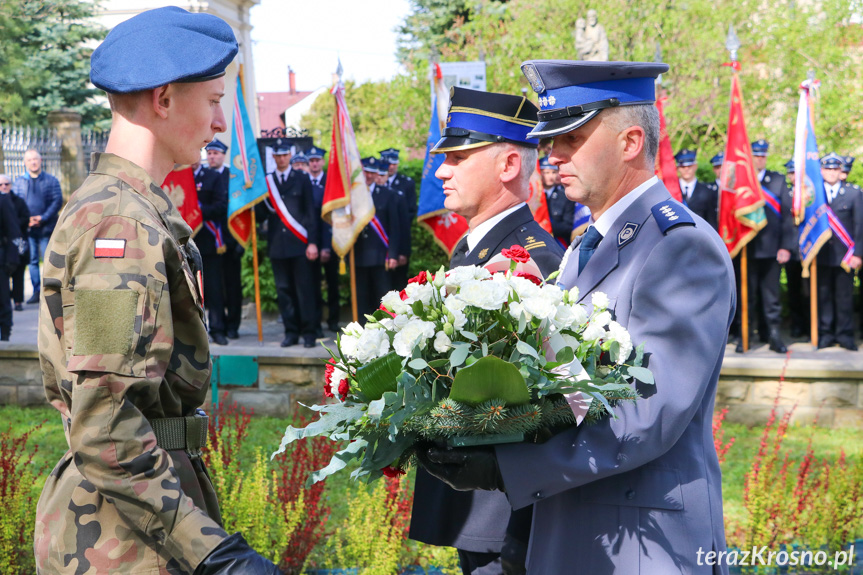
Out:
{"x": 122, "y": 339}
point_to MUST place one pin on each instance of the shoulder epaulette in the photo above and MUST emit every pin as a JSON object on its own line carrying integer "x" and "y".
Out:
{"x": 669, "y": 214}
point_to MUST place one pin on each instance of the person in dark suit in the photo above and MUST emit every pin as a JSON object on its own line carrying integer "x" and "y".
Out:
{"x": 485, "y": 176}
{"x": 798, "y": 290}
{"x": 399, "y": 181}
{"x": 835, "y": 282}
{"x": 716, "y": 163}
{"x": 12, "y": 221}
{"x": 329, "y": 263}
{"x": 639, "y": 493}
{"x": 292, "y": 230}
{"x": 697, "y": 196}
{"x": 22, "y": 213}
{"x": 561, "y": 210}
{"x": 213, "y": 198}
{"x": 402, "y": 220}
{"x": 377, "y": 247}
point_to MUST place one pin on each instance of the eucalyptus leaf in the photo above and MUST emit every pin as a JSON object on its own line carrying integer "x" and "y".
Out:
{"x": 458, "y": 355}
{"x": 436, "y": 363}
{"x": 376, "y": 408}
{"x": 379, "y": 375}
{"x": 469, "y": 335}
{"x": 526, "y": 349}
{"x": 418, "y": 363}
{"x": 339, "y": 461}
{"x": 490, "y": 378}
{"x": 522, "y": 322}
{"x": 641, "y": 374}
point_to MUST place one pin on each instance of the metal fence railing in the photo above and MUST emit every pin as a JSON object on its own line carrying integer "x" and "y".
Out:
{"x": 93, "y": 141}
{"x": 15, "y": 140}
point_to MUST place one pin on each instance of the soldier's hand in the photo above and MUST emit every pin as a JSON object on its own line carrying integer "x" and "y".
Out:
{"x": 311, "y": 252}
{"x": 463, "y": 468}
{"x": 391, "y": 264}
{"x": 403, "y": 260}
{"x": 855, "y": 262}
{"x": 234, "y": 556}
{"x": 325, "y": 255}
{"x": 782, "y": 256}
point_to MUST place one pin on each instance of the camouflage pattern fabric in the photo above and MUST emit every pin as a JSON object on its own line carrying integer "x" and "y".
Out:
{"x": 122, "y": 340}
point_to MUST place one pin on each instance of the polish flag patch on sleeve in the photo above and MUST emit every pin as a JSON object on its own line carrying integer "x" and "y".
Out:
{"x": 110, "y": 248}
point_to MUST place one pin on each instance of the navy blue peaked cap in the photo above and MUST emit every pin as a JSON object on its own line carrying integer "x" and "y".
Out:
{"x": 685, "y": 157}
{"x": 789, "y": 165}
{"x": 572, "y": 92}
{"x": 832, "y": 161}
{"x": 216, "y": 145}
{"x": 391, "y": 155}
{"x": 315, "y": 152}
{"x": 545, "y": 164}
{"x": 848, "y": 163}
{"x": 281, "y": 148}
{"x": 298, "y": 158}
{"x": 372, "y": 164}
{"x": 162, "y": 46}
{"x": 717, "y": 160}
{"x": 760, "y": 147}
{"x": 477, "y": 119}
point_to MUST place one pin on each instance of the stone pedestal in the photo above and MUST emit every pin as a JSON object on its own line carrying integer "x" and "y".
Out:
{"x": 72, "y": 161}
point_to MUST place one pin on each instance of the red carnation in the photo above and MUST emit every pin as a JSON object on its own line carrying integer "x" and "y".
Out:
{"x": 328, "y": 378}
{"x": 382, "y": 308}
{"x": 516, "y": 253}
{"x": 403, "y": 294}
{"x": 343, "y": 389}
{"x": 421, "y": 278}
{"x": 529, "y": 277}
{"x": 391, "y": 471}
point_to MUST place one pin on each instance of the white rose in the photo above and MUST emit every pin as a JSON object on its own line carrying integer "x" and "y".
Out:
{"x": 593, "y": 332}
{"x": 372, "y": 344}
{"x": 580, "y": 315}
{"x": 415, "y": 333}
{"x": 393, "y": 302}
{"x": 540, "y": 307}
{"x": 417, "y": 292}
{"x": 599, "y": 300}
{"x": 441, "y": 342}
{"x": 483, "y": 294}
{"x": 602, "y": 319}
{"x": 524, "y": 287}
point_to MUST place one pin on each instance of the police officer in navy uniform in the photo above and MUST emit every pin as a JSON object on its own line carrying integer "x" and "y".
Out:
{"x": 377, "y": 247}
{"x": 768, "y": 251}
{"x": 398, "y": 276}
{"x": 486, "y": 177}
{"x": 561, "y": 209}
{"x": 847, "y": 165}
{"x": 399, "y": 181}
{"x": 798, "y": 290}
{"x": 290, "y": 255}
{"x": 329, "y": 261}
{"x": 716, "y": 164}
{"x": 212, "y": 187}
{"x": 697, "y": 196}
{"x": 835, "y": 284}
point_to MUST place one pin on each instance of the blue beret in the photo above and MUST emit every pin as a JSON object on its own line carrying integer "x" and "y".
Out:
{"x": 848, "y": 163}
{"x": 685, "y": 157}
{"x": 216, "y": 145}
{"x": 789, "y": 165}
{"x": 832, "y": 161}
{"x": 390, "y": 154}
{"x": 717, "y": 160}
{"x": 297, "y": 158}
{"x": 161, "y": 46}
{"x": 478, "y": 119}
{"x": 573, "y": 92}
{"x": 760, "y": 147}
{"x": 315, "y": 152}
{"x": 545, "y": 164}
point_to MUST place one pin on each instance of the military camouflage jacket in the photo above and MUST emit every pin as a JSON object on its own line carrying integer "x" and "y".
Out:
{"x": 122, "y": 341}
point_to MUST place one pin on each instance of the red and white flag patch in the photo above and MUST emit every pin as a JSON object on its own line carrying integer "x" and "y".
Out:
{"x": 110, "y": 248}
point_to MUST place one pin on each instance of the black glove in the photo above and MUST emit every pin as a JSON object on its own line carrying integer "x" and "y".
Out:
{"x": 233, "y": 556}
{"x": 463, "y": 468}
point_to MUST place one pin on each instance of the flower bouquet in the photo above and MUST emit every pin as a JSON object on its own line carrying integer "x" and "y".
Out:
{"x": 474, "y": 355}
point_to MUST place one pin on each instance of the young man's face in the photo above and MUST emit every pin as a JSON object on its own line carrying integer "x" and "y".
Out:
{"x": 717, "y": 170}
{"x": 301, "y": 166}
{"x": 393, "y": 168}
{"x": 687, "y": 173}
{"x": 316, "y": 165}
{"x": 371, "y": 177}
{"x": 549, "y": 178}
{"x": 283, "y": 161}
{"x": 831, "y": 175}
{"x": 215, "y": 158}
{"x": 760, "y": 163}
{"x": 195, "y": 117}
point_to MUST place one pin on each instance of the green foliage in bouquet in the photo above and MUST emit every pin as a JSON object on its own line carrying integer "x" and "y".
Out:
{"x": 470, "y": 356}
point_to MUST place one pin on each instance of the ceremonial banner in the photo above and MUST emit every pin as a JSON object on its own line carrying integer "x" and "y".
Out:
{"x": 816, "y": 220}
{"x": 741, "y": 201}
{"x": 666, "y": 167}
{"x": 180, "y": 187}
{"x": 247, "y": 185}
{"x": 537, "y": 202}
{"x": 580, "y": 220}
{"x": 348, "y": 204}
{"x": 446, "y": 227}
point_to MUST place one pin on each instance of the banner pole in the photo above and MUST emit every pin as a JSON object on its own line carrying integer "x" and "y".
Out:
{"x": 813, "y": 304}
{"x": 353, "y": 287}
{"x": 744, "y": 295}
{"x": 257, "y": 277}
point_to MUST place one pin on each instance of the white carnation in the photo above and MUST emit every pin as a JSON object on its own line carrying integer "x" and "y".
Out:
{"x": 484, "y": 294}
{"x": 602, "y": 319}
{"x": 416, "y": 292}
{"x": 372, "y": 344}
{"x": 400, "y": 321}
{"x": 516, "y": 308}
{"x": 552, "y": 293}
{"x": 524, "y": 287}
{"x": 593, "y": 332}
{"x": 415, "y": 333}
{"x": 452, "y": 303}
{"x": 353, "y": 329}
{"x": 441, "y": 342}
{"x": 564, "y": 317}
{"x": 459, "y": 319}
{"x": 393, "y": 302}
{"x": 348, "y": 345}
{"x": 540, "y": 307}
{"x": 618, "y": 333}
{"x": 337, "y": 376}
{"x": 457, "y": 276}
{"x": 599, "y": 300}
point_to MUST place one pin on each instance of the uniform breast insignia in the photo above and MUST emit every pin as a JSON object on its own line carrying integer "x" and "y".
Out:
{"x": 626, "y": 234}
{"x": 530, "y": 239}
{"x": 483, "y": 253}
{"x": 670, "y": 214}
{"x": 766, "y": 179}
{"x": 109, "y": 248}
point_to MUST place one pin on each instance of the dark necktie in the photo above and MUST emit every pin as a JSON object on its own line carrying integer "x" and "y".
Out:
{"x": 459, "y": 253}
{"x": 587, "y": 246}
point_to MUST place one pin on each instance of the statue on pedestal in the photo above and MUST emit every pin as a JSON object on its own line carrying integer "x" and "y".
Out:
{"x": 591, "y": 43}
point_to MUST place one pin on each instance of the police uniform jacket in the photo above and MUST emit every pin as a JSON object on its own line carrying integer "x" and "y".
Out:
{"x": 369, "y": 250}
{"x": 639, "y": 494}
{"x": 704, "y": 201}
{"x": 298, "y": 196}
{"x": 409, "y": 188}
{"x": 213, "y": 199}
{"x": 22, "y": 216}
{"x": 325, "y": 230}
{"x": 122, "y": 343}
{"x": 775, "y": 235}
{"x": 561, "y": 211}
{"x": 479, "y": 520}
{"x": 848, "y": 207}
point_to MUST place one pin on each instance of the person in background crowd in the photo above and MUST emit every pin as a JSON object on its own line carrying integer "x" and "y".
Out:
{"x": 696, "y": 195}
{"x": 835, "y": 284}
{"x": 329, "y": 267}
{"x": 847, "y": 164}
{"x": 11, "y": 243}
{"x": 44, "y": 198}
{"x": 402, "y": 220}
{"x": 399, "y": 181}
{"x": 292, "y": 230}
{"x": 377, "y": 247}
{"x": 716, "y": 164}
{"x": 798, "y": 289}
{"x": 561, "y": 210}
{"x": 22, "y": 213}
{"x": 300, "y": 162}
